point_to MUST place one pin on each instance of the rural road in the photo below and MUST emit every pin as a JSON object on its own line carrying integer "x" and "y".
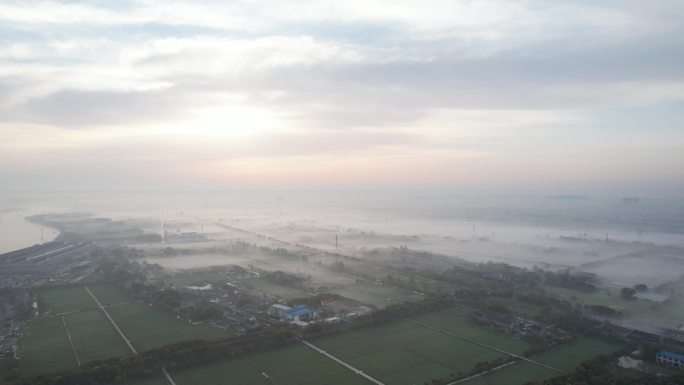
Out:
{"x": 488, "y": 347}
{"x": 71, "y": 342}
{"x": 346, "y": 365}
{"x": 126, "y": 340}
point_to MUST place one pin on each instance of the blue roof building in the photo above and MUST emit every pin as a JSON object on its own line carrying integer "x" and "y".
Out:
{"x": 299, "y": 313}
{"x": 670, "y": 358}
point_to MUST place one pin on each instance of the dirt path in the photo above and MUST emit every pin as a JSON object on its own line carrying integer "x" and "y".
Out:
{"x": 78, "y": 361}
{"x": 123, "y": 336}
{"x": 488, "y": 346}
{"x": 346, "y": 365}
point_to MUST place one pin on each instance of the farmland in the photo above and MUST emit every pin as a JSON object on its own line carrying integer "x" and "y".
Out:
{"x": 64, "y": 300}
{"x": 149, "y": 328}
{"x": 274, "y": 289}
{"x": 94, "y": 337}
{"x": 399, "y": 353}
{"x": 45, "y": 346}
{"x": 405, "y": 353}
{"x": 376, "y": 294}
{"x": 294, "y": 365}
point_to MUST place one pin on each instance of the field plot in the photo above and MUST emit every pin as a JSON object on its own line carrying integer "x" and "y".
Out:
{"x": 196, "y": 278}
{"x": 237, "y": 372}
{"x": 94, "y": 337}
{"x": 274, "y": 289}
{"x": 65, "y": 300}
{"x": 108, "y": 295}
{"x": 564, "y": 357}
{"x": 293, "y": 365}
{"x": 148, "y": 381}
{"x": 45, "y": 347}
{"x": 515, "y": 374}
{"x": 300, "y": 365}
{"x": 568, "y": 356}
{"x": 149, "y": 328}
{"x": 403, "y": 353}
{"x": 453, "y": 320}
{"x": 377, "y": 295}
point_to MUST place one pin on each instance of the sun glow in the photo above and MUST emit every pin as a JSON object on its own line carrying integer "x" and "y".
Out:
{"x": 234, "y": 121}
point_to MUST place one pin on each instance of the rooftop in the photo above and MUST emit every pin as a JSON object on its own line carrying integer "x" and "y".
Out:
{"x": 671, "y": 355}
{"x": 299, "y": 310}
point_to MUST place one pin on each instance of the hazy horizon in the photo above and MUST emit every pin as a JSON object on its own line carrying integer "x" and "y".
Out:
{"x": 492, "y": 97}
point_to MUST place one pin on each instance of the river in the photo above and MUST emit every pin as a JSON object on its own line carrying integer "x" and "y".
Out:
{"x": 17, "y": 233}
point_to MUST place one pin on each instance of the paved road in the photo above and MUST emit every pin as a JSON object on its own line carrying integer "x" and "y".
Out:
{"x": 346, "y": 365}
{"x": 482, "y": 373}
{"x": 168, "y": 377}
{"x": 70, "y": 341}
{"x": 123, "y": 336}
{"x": 488, "y": 347}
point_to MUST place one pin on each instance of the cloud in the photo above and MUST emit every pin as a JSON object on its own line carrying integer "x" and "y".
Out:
{"x": 224, "y": 85}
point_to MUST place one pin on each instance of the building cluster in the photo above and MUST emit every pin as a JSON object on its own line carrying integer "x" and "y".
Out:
{"x": 521, "y": 328}
{"x": 47, "y": 263}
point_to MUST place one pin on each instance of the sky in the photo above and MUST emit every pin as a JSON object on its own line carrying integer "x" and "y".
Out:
{"x": 579, "y": 96}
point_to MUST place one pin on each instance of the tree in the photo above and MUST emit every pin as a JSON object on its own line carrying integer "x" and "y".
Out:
{"x": 627, "y": 293}
{"x": 640, "y": 287}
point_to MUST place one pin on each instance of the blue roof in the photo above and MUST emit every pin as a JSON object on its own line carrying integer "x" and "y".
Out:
{"x": 299, "y": 310}
{"x": 672, "y": 355}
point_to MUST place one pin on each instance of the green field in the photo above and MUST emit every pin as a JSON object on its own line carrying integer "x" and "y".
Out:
{"x": 149, "y": 381}
{"x": 94, "y": 337}
{"x": 403, "y": 353}
{"x": 293, "y": 365}
{"x": 568, "y": 356}
{"x": 108, "y": 295}
{"x": 64, "y": 300}
{"x": 377, "y": 294}
{"x": 237, "y": 372}
{"x": 668, "y": 314}
{"x": 274, "y": 289}
{"x": 149, "y": 328}
{"x": 515, "y": 374}
{"x": 453, "y": 320}
{"x": 45, "y": 347}
{"x": 196, "y": 278}
{"x": 399, "y": 353}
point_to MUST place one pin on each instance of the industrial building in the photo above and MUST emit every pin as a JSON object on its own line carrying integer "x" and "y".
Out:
{"x": 670, "y": 359}
{"x": 299, "y": 313}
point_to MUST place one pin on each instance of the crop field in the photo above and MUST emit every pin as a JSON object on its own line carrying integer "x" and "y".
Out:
{"x": 515, "y": 374}
{"x": 399, "y": 353}
{"x": 293, "y": 365}
{"x": 376, "y": 294}
{"x": 667, "y": 314}
{"x": 45, "y": 347}
{"x": 148, "y": 381}
{"x": 236, "y": 372}
{"x": 403, "y": 353}
{"x": 196, "y": 278}
{"x": 65, "y": 300}
{"x": 108, "y": 295}
{"x": 566, "y": 357}
{"x": 149, "y": 328}
{"x": 453, "y": 320}
{"x": 94, "y": 337}
{"x": 274, "y": 289}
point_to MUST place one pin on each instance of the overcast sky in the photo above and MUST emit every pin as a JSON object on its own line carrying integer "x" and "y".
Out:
{"x": 562, "y": 96}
